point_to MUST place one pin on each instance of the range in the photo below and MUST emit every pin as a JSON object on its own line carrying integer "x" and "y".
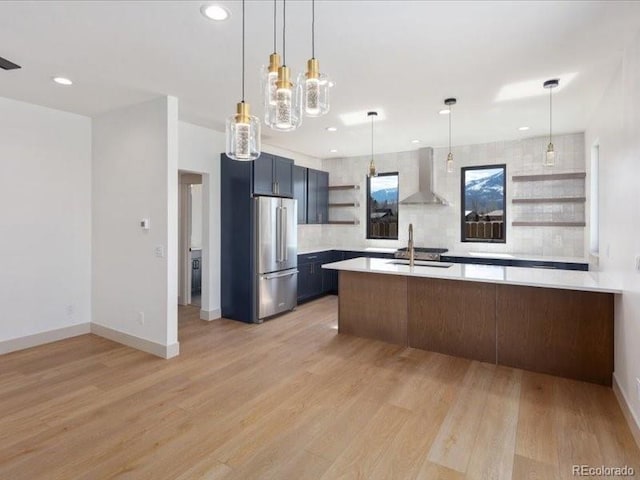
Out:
{"x": 422, "y": 253}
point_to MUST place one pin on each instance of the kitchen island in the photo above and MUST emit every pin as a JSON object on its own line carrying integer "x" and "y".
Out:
{"x": 551, "y": 321}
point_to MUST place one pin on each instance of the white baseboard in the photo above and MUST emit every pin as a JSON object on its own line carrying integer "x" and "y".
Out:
{"x": 209, "y": 315}
{"x": 41, "y": 338}
{"x": 632, "y": 420}
{"x": 157, "y": 349}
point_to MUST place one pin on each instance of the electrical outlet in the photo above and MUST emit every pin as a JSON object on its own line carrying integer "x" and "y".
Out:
{"x": 637, "y": 263}
{"x": 141, "y": 318}
{"x": 159, "y": 250}
{"x": 70, "y": 310}
{"x": 638, "y": 387}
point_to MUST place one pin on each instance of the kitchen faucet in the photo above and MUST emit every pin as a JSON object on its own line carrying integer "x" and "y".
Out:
{"x": 410, "y": 248}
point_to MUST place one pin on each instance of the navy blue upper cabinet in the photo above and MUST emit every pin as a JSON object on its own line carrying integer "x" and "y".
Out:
{"x": 300, "y": 192}
{"x": 273, "y": 175}
{"x": 317, "y": 196}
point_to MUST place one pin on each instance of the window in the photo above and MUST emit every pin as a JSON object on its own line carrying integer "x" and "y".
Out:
{"x": 382, "y": 206}
{"x": 484, "y": 211}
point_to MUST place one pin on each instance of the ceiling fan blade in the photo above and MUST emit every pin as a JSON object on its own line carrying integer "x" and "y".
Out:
{"x": 7, "y": 65}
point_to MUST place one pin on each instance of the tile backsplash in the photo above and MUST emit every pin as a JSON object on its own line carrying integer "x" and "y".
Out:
{"x": 439, "y": 226}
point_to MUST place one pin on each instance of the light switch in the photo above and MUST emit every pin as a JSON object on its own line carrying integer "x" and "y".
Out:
{"x": 145, "y": 224}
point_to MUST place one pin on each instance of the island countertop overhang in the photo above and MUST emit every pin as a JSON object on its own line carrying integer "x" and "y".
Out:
{"x": 522, "y": 276}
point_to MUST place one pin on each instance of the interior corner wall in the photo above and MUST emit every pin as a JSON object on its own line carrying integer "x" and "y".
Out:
{"x": 615, "y": 127}
{"x": 134, "y": 271}
{"x": 45, "y": 220}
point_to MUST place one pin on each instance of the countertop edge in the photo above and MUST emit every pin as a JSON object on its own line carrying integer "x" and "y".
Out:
{"x": 595, "y": 289}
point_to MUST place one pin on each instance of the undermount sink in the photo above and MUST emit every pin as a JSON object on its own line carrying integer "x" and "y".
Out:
{"x": 421, "y": 263}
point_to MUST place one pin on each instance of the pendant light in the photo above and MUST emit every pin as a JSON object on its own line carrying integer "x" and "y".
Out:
{"x": 287, "y": 112}
{"x": 550, "y": 154}
{"x": 450, "y": 102}
{"x": 243, "y": 129}
{"x": 314, "y": 85}
{"x": 269, "y": 76}
{"x": 372, "y": 165}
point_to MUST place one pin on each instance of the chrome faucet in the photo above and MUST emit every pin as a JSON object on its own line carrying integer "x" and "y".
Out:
{"x": 410, "y": 248}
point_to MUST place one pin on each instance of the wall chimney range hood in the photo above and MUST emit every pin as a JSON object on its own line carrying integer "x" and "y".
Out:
{"x": 425, "y": 194}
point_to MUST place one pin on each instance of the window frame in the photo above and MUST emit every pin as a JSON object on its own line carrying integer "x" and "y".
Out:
{"x": 368, "y": 207}
{"x": 463, "y": 171}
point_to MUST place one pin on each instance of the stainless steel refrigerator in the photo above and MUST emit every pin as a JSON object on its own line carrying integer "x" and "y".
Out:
{"x": 276, "y": 237}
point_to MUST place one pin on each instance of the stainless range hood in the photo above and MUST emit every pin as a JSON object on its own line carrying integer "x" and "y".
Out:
{"x": 425, "y": 194}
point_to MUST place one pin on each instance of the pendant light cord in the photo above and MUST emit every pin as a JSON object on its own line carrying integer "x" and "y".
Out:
{"x": 284, "y": 32}
{"x": 450, "y": 115}
{"x": 313, "y": 29}
{"x": 550, "y": 114}
{"x": 274, "y": 26}
{"x": 372, "y": 138}
{"x": 243, "y": 51}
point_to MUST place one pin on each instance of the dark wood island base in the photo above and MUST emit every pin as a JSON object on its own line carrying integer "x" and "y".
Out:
{"x": 567, "y": 333}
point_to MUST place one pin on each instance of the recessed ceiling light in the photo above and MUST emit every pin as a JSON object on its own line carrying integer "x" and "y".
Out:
{"x": 215, "y": 12}
{"x": 62, "y": 81}
{"x": 523, "y": 129}
{"x": 360, "y": 117}
{"x": 415, "y": 141}
{"x": 445, "y": 111}
{"x": 331, "y": 129}
{"x": 333, "y": 150}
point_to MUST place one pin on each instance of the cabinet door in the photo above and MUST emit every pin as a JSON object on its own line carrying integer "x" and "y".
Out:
{"x": 263, "y": 175}
{"x": 316, "y": 279}
{"x": 323, "y": 197}
{"x": 309, "y": 281}
{"x": 300, "y": 192}
{"x": 312, "y": 196}
{"x": 283, "y": 176}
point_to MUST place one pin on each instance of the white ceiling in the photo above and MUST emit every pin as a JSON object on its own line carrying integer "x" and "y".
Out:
{"x": 404, "y": 57}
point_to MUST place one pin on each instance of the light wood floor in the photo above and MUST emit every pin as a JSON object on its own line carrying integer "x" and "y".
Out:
{"x": 291, "y": 399}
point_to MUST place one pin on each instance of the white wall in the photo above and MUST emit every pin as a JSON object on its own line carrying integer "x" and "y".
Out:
{"x": 439, "y": 226}
{"x": 45, "y": 219}
{"x": 196, "y": 216}
{"x": 135, "y": 167}
{"x": 615, "y": 126}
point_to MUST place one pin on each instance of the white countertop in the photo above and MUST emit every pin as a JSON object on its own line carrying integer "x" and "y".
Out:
{"x": 516, "y": 256}
{"x": 324, "y": 248}
{"x": 530, "y": 277}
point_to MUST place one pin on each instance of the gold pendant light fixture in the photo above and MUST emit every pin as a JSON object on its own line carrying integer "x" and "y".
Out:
{"x": 450, "y": 102}
{"x": 242, "y": 129}
{"x": 286, "y": 114}
{"x": 270, "y": 76}
{"x": 550, "y": 154}
{"x": 372, "y": 165}
{"x": 315, "y": 85}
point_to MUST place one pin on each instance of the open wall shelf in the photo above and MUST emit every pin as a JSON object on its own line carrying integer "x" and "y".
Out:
{"x": 344, "y": 200}
{"x": 344, "y": 187}
{"x": 550, "y": 200}
{"x": 549, "y": 176}
{"x": 547, "y": 224}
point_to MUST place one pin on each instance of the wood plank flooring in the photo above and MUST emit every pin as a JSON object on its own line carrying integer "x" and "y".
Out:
{"x": 292, "y": 399}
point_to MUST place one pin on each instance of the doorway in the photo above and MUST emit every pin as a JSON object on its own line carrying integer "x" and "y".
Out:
{"x": 191, "y": 221}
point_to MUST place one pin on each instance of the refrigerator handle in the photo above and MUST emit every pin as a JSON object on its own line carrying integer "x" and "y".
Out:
{"x": 278, "y": 235}
{"x": 285, "y": 234}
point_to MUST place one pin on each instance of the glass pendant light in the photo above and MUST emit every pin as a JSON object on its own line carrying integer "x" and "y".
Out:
{"x": 242, "y": 129}
{"x": 314, "y": 85}
{"x": 450, "y": 102}
{"x": 372, "y": 165}
{"x": 550, "y": 154}
{"x": 270, "y": 76}
{"x": 286, "y": 114}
